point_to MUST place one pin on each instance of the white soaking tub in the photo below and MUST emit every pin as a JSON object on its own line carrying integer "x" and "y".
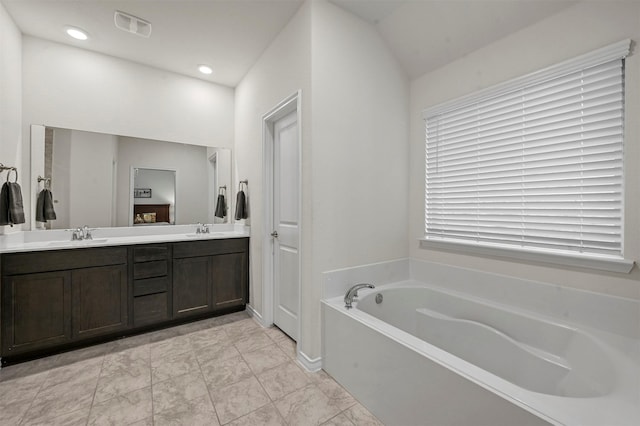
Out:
{"x": 425, "y": 355}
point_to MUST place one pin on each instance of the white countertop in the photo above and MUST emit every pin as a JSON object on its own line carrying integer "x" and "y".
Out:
{"x": 42, "y": 240}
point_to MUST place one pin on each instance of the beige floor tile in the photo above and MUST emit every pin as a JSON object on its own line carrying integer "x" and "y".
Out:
{"x": 76, "y": 418}
{"x": 361, "y": 416}
{"x": 265, "y": 358}
{"x": 174, "y": 365}
{"x": 195, "y": 412}
{"x": 123, "y": 409}
{"x": 21, "y": 390}
{"x": 339, "y": 420}
{"x": 240, "y": 329}
{"x": 144, "y": 422}
{"x": 265, "y": 416}
{"x": 216, "y": 352}
{"x": 11, "y": 414}
{"x": 288, "y": 346}
{"x": 171, "y": 394}
{"x": 336, "y": 393}
{"x": 122, "y": 381}
{"x": 275, "y": 333}
{"x": 61, "y": 398}
{"x": 169, "y": 347}
{"x": 92, "y": 352}
{"x": 253, "y": 341}
{"x": 225, "y": 372}
{"x": 125, "y": 359}
{"x": 238, "y": 399}
{"x": 283, "y": 380}
{"x": 77, "y": 371}
{"x": 212, "y": 336}
{"x": 306, "y": 406}
{"x": 24, "y": 369}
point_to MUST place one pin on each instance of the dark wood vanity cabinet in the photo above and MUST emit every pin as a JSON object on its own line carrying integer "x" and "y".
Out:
{"x": 99, "y": 300}
{"x": 151, "y": 283}
{"x": 209, "y": 276}
{"x": 52, "y": 298}
{"x": 58, "y": 299}
{"x": 36, "y": 311}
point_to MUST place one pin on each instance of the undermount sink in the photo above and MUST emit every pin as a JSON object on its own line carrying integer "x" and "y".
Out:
{"x": 76, "y": 243}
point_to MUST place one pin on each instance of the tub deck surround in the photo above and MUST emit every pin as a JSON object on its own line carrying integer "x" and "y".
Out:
{"x": 104, "y": 237}
{"x": 426, "y": 352}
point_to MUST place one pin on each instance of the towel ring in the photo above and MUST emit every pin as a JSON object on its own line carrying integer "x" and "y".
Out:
{"x": 12, "y": 169}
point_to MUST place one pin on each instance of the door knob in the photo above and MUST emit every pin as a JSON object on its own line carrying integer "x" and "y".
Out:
{"x": 274, "y": 234}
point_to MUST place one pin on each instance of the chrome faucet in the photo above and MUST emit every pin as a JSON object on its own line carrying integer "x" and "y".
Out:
{"x": 352, "y": 293}
{"x": 86, "y": 233}
{"x": 202, "y": 229}
{"x": 76, "y": 234}
{"x": 79, "y": 234}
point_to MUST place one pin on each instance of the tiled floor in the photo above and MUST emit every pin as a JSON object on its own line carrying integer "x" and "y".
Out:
{"x": 220, "y": 371}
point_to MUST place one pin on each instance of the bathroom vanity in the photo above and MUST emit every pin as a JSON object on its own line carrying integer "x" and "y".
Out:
{"x": 71, "y": 295}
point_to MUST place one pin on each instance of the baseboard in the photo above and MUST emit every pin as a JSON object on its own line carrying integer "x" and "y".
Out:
{"x": 311, "y": 365}
{"x": 255, "y": 315}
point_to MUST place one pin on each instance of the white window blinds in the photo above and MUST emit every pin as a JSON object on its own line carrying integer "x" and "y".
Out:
{"x": 533, "y": 164}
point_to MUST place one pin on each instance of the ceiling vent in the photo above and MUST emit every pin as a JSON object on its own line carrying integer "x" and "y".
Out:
{"x": 132, "y": 24}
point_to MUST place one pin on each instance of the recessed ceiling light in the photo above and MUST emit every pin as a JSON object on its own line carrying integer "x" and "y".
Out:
{"x": 205, "y": 69}
{"x": 77, "y": 33}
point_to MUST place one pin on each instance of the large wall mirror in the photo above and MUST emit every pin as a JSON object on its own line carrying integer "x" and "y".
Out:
{"x": 103, "y": 180}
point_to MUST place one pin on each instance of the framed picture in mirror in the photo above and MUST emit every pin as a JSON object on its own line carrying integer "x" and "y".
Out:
{"x": 142, "y": 193}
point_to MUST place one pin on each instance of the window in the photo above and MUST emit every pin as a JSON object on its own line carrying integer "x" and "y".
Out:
{"x": 534, "y": 165}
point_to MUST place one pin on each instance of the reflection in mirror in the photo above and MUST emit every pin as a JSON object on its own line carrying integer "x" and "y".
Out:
{"x": 93, "y": 179}
{"x": 153, "y": 197}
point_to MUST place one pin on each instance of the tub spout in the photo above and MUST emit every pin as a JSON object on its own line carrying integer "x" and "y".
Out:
{"x": 352, "y": 293}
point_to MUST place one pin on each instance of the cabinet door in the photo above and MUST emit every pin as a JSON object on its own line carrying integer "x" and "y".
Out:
{"x": 36, "y": 311}
{"x": 99, "y": 300}
{"x": 191, "y": 286}
{"x": 229, "y": 280}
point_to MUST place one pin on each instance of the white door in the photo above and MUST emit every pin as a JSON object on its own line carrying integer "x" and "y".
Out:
{"x": 286, "y": 274}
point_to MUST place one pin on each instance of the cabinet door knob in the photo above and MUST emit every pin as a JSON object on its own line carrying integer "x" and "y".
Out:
{"x": 274, "y": 234}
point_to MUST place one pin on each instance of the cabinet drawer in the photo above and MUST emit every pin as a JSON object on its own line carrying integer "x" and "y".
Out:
{"x": 150, "y": 309}
{"x": 60, "y": 260}
{"x": 150, "y": 286}
{"x": 210, "y": 247}
{"x": 150, "y": 252}
{"x": 150, "y": 269}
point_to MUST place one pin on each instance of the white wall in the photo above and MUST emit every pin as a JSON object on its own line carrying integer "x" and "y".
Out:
{"x": 354, "y": 148}
{"x": 284, "y": 68}
{"x": 190, "y": 163}
{"x": 360, "y": 152}
{"x": 11, "y": 104}
{"x": 574, "y": 31}
{"x": 74, "y": 88}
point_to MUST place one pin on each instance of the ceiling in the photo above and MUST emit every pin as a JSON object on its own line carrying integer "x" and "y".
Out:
{"x": 230, "y": 35}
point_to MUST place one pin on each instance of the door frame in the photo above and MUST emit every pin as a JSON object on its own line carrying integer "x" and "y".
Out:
{"x": 285, "y": 107}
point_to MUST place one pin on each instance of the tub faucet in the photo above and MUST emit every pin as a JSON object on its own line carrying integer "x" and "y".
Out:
{"x": 352, "y": 293}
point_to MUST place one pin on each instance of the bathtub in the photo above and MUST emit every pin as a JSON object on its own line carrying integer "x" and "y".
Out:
{"x": 416, "y": 354}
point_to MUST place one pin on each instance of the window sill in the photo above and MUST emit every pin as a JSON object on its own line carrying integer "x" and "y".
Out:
{"x": 601, "y": 263}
